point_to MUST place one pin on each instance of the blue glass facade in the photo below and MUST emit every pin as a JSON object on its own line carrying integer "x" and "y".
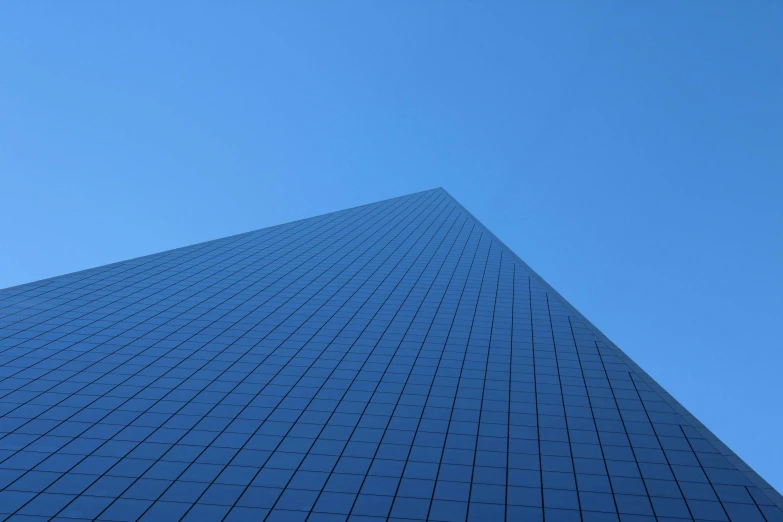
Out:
{"x": 393, "y": 361}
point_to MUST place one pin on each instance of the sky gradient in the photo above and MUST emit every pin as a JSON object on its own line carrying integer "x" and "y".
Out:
{"x": 629, "y": 152}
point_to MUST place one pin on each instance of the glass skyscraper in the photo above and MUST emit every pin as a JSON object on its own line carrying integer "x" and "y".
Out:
{"x": 394, "y": 361}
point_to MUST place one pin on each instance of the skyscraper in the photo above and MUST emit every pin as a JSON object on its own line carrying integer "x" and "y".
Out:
{"x": 391, "y": 361}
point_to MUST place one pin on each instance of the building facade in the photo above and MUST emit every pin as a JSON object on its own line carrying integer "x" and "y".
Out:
{"x": 394, "y": 361}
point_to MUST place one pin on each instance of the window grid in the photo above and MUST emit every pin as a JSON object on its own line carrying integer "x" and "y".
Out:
{"x": 394, "y": 361}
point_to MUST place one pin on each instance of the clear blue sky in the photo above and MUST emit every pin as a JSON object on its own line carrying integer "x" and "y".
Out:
{"x": 630, "y": 152}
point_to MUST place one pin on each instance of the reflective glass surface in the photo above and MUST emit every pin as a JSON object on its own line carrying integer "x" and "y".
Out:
{"x": 393, "y": 361}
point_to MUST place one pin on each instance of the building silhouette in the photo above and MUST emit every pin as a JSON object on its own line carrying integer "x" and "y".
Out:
{"x": 394, "y": 361}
